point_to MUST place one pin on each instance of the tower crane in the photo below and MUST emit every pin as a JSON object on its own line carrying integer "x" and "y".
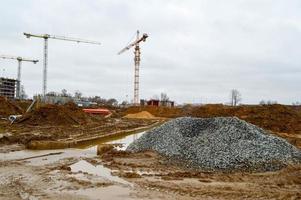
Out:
{"x": 137, "y": 62}
{"x": 45, "y": 63}
{"x": 19, "y": 59}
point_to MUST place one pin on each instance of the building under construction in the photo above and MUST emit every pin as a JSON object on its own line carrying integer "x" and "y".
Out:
{"x": 8, "y": 87}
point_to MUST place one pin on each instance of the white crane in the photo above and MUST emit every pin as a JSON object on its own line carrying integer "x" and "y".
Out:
{"x": 19, "y": 59}
{"x": 137, "y": 63}
{"x": 46, "y": 37}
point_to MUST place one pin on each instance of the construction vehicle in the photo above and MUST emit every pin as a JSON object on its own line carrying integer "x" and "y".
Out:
{"x": 19, "y": 59}
{"x": 45, "y": 63}
{"x": 137, "y": 62}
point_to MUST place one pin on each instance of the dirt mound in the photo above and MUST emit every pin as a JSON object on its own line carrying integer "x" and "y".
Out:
{"x": 156, "y": 111}
{"x": 276, "y": 118}
{"x": 8, "y": 107}
{"x": 140, "y": 115}
{"x": 68, "y": 114}
{"x": 24, "y": 104}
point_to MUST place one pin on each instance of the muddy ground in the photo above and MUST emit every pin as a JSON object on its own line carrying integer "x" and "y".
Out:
{"x": 82, "y": 174}
{"x": 23, "y": 134}
{"x": 156, "y": 177}
{"x": 147, "y": 175}
{"x": 60, "y": 123}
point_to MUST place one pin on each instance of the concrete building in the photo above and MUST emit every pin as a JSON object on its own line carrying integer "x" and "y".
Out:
{"x": 156, "y": 102}
{"x": 8, "y": 87}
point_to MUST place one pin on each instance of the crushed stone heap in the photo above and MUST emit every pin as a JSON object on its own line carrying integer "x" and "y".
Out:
{"x": 221, "y": 143}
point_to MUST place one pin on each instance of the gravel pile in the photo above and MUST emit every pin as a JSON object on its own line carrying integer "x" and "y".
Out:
{"x": 222, "y": 143}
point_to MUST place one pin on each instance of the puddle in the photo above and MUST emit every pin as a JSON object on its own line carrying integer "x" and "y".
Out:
{"x": 126, "y": 141}
{"x": 44, "y": 160}
{"x": 98, "y": 170}
{"x": 81, "y": 151}
{"x": 120, "y": 190}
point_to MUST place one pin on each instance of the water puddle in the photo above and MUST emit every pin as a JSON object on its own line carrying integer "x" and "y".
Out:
{"x": 121, "y": 190}
{"x": 126, "y": 141}
{"x": 98, "y": 170}
{"x": 81, "y": 151}
{"x": 44, "y": 157}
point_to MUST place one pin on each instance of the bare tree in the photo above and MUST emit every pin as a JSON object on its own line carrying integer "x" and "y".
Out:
{"x": 271, "y": 102}
{"x": 78, "y": 94}
{"x": 164, "y": 97}
{"x": 64, "y": 93}
{"x": 112, "y": 102}
{"x": 268, "y": 102}
{"x": 235, "y": 97}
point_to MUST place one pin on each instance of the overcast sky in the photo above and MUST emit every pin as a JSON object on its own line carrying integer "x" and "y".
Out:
{"x": 197, "y": 51}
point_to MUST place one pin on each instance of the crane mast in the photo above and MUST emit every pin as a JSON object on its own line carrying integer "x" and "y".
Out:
{"x": 45, "y": 61}
{"x": 137, "y": 62}
{"x": 19, "y": 59}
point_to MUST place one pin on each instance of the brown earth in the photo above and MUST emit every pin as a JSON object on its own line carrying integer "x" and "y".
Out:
{"x": 24, "y": 104}
{"x": 68, "y": 114}
{"x": 24, "y": 134}
{"x": 57, "y": 122}
{"x": 67, "y": 122}
{"x": 156, "y": 177}
{"x": 276, "y": 118}
{"x": 9, "y": 108}
{"x": 140, "y": 115}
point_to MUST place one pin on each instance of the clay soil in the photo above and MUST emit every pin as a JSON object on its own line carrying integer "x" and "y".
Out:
{"x": 149, "y": 176}
{"x": 9, "y": 108}
{"x": 157, "y": 178}
{"x": 68, "y": 122}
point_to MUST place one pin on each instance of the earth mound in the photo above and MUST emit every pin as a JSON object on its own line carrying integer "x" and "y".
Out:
{"x": 221, "y": 143}
{"x": 68, "y": 114}
{"x": 8, "y": 108}
{"x": 277, "y": 118}
{"x": 140, "y": 115}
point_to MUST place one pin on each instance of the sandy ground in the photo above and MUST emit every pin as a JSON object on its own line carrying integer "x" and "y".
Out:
{"x": 81, "y": 174}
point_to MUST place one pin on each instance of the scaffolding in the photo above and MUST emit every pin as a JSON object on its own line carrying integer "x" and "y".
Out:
{"x": 8, "y": 87}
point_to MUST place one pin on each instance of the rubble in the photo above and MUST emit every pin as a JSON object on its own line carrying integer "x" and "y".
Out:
{"x": 221, "y": 143}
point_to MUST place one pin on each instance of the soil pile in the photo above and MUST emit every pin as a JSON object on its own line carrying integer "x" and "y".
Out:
{"x": 277, "y": 118}
{"x": 140, "y": 115}
{"x": 222, "y": 143}
{"x": 68, "y": 114}
{"x": 160, "y": 111}
{"x": 7, "y": 108}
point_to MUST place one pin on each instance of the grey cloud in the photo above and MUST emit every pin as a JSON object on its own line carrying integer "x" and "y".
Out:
{"x": 197, "y": 50}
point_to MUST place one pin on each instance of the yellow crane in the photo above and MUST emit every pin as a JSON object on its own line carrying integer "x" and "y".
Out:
{"x": 20, "y": 60}
{"x": 137, "y": 62}
{"x": 46, "y": 37}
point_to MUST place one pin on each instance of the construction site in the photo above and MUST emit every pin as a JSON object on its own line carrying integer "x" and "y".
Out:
{"x": 56, "y": 145}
